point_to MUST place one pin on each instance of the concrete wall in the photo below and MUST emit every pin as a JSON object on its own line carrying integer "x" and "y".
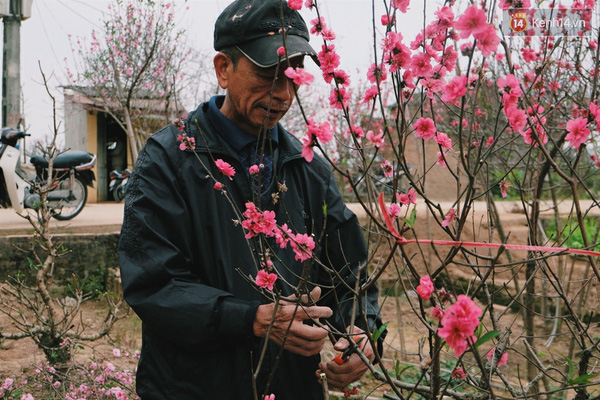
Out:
{"x": 89, "y": 255}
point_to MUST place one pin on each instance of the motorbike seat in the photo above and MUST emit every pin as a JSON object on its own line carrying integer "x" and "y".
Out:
{"x": 68, "y": 159}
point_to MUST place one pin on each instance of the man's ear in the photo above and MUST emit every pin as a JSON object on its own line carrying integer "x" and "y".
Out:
{"x": 223, "y": 67}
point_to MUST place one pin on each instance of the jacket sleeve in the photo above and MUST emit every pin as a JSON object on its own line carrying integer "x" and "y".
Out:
{"x": 155, "y": 266}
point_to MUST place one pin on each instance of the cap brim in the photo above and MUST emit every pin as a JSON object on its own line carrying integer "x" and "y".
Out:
{"x": 263, "y": 51}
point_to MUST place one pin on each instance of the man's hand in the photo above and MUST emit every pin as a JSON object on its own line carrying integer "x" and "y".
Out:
{"x": 302, "y": 339}
{"x": 353, "y": 369}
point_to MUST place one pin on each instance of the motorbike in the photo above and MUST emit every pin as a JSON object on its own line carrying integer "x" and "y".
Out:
{"x": 118, "y": 183}
{"x": 71, "y": 175}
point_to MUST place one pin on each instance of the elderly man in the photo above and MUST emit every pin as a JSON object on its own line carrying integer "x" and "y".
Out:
{"x": 187, "y": 264}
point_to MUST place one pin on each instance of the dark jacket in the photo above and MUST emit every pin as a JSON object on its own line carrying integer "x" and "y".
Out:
{"x": 185, "y": 266}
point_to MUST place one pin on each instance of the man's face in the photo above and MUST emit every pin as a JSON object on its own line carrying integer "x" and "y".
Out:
{"x": 257, "y": 98}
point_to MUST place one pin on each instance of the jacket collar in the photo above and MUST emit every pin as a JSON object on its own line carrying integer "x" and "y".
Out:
{"x": 211, "y": 138}
{"x": 234, "y": 135}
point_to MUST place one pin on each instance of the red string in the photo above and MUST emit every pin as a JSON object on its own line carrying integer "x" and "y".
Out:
{"x": 402, "y": 240}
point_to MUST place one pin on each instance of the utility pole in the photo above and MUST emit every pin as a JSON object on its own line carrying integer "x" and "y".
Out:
{"x": 12, "y": 12}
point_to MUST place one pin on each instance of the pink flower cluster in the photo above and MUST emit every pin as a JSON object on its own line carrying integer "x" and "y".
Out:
{"x": 403, "y": 199}
{"x": 264, "y": 279}
{"x": 474, "y": 22}
{"x": 459, "y": 323}
{"x": 187, "y": 142}
{"x": 94, "y": 380}
{"x": 257, "y": 222}
{"x": 425, "y": 288}
{"x": 299, "y": 76}
{"x": 322, "y": 133}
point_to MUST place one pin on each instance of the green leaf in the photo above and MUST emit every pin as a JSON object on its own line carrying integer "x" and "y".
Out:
{"x": 581, "y": 379}
{"x": 413, "y": 217}
{"x": 571, "y": 369}
{"x": 324, "y": 209}
{"x": 486, "y": 337}
{"x": 378, "y": 332}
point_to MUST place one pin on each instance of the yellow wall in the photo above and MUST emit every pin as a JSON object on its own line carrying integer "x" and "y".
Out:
{"x": 92, "y": 147}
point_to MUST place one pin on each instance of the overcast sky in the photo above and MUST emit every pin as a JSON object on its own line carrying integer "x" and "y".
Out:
{"x": 44, "y": 39}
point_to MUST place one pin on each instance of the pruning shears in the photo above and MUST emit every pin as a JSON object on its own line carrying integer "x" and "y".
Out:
{"x": 343, "y": 357}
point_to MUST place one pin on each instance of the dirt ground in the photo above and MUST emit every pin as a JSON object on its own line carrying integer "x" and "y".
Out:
{"x": 405, "y": 330}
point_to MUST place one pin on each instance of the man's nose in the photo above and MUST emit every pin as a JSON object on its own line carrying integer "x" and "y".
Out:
{"x": 283, "y": 89}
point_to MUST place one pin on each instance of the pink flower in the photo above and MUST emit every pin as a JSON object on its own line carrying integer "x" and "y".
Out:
{"x": 459, "y": 323}
{"x": 397, "y": 54}
{"x": 529, "y": 54}
{"x": 420, "y": 65}
{"x": 265, "y": 280}
{"x": 425, "y": 288}
{"x": 450, "y": 216}
{"x": 487, "y": 40}
{"x": 511, "y": 90}
{"x": 218, "y": 186}
{"x": 7, "y": 384}
{"x": 340, "y": 77}
{"x": 317, "y": 25}
{"x": 517, "y": 118}
{"x": 504, "y": 185}
{"x": 503, "y": 359}
{"x": 388, "y": 169}
{"x": 253, "y": 170}
{"x": 328, "y": 58}
{"x": 459, "y": 373}
{"x": 116, "y": 352}
{"x": 394, "y": 210}
{"x": 443, "y": 140}
{"x": 387, "y": 20}
{"x": 472, "y": 21}
{"x": 370, "y": 94}
{"x": 506, "y": 4}
{"x": 401, "y": 5}
{"x": 27, "y": 397}
{"x": 283, "y": 235}
{"x": 437, "y": 313}
{"x": 339, "y": 98}
{"x": 456, "y": 88}
{"x": 377, "y": 140}
{"x": 307, "y": 148}
{"x": 425, "y": 128}
{"x": 302, "y": 245}
{"x": 186, "y": 142}
{"x": 578, "y": 132}
{"x": 179, "y": 124}
{"x": 441, "y": 160}
{"x": 257, "y": 222}
{"x": 295, "y": 4}
{"x": 376, "y": 73}
{"x": 269, "y": 397}
{"x": 281, "y": 51}
{"x": 490, "y": 141}
{"x": 407, "y": 198}
{"x": 299, "y": 76}
{"x": 595, "y": 111}
{"x": 225, "y": 168}
{"x": 322, "y": 132}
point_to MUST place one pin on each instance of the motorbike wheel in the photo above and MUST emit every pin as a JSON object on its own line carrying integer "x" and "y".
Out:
{"x": 119, "y": 194}
{"x": 69, "y": 209}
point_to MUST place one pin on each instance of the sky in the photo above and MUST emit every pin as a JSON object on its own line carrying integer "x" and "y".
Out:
{"x": 45, "y": 41}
